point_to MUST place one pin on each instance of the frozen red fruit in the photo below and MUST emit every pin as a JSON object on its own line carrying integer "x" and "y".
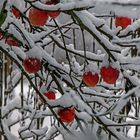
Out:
{"x": 16, "y": 12}
{"x": 122, "y": 21}
{"x": 52, "y": 14}
{"x": 66, "y": 115}
{"x": 11, "y": 41}
{"x": 37, "y": 17}
{"x": 90, "y": 78}
{"x": 109, "y": 74}
{"x": 50, "y": 95}
{"x": 32, "y": 65}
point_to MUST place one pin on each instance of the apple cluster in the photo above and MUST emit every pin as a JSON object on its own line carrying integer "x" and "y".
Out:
{"x": 42, "y": 15}
{"x": 39, "y": 17}
{"x": 33, "y": 65}
{"x": 66, "y": 115}
{"x": 108, "y": 74}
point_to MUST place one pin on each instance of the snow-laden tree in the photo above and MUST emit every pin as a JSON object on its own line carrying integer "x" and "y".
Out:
{"x": 79, "y": 52}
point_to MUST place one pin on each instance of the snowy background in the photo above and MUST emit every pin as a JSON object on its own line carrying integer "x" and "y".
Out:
{"x": 82, "y": 38}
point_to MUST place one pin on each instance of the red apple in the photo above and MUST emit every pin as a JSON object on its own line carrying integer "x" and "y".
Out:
{"x": 16, "y": 12}
{"x": 52, "y": 14}
{"x": 122, "y": 21}
{"x": 11, "y": 41}
{"x": 67, "y": 115}
{"x": 109, "y": 74}
{"x": 32, "y": 65}
{"x": 90, "y": 79}
{"x": 37, "y": 17}
{"x": 50, "y": 95}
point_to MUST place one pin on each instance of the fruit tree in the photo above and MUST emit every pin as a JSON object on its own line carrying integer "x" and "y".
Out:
{"x": 69, "y": 70}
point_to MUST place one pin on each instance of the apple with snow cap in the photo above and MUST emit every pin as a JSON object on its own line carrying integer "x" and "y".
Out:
{"x": 32, "y": 62}
{"x": 37, "y": 17}
{"x": 90, "y": 78}
{"x": 66, "y": 115}
{"x": 53, "y": 14}
{"x": 122, "y": 21}
{"x": 109, "y": 74}
{"x": 32, "y": 65}
{"x": 11, "y": 41}
{"x": 50, "y": 95}
{"x": 16, "y": 12}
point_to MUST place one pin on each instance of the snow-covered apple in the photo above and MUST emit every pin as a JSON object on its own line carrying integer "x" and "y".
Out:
{"x": 90, "y": 78}
{"x": 32, "y": 65}
{"x": 52, "y": 14}
{"x": 66, "y": 115}
{"x": 11, "y": 41}
{"x": 50, "y": 95}
{"x": 109, "y": 74}
{"x": 16, "y": 13}
{"x": 37, "y": 17}
{"x": 122, "y": 21}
